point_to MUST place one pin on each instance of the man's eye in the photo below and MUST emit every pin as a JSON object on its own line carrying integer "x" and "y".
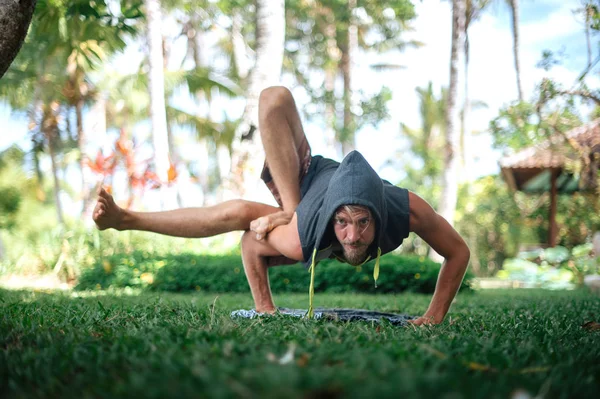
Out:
{"x": 340, "y": 221}
{"x": 364, "y": 222}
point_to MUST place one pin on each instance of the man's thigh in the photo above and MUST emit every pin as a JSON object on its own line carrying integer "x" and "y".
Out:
{"x": 304, "y": 159}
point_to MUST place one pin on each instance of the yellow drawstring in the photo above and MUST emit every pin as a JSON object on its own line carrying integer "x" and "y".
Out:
{"x": 376, "y": 269}
{"x": 311, "y": 290}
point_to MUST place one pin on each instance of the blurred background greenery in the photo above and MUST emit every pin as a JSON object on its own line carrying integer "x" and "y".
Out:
{"x": 65, "y": 72}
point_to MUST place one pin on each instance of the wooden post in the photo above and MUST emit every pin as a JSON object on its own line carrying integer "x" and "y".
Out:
{"x": 553, "y": 229}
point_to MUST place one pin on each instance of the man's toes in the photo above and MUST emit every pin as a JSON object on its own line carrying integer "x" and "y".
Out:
{"x": 104, "y": 194}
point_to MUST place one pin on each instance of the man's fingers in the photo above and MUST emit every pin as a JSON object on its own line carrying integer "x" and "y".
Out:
{"x": 423, "y": 321}
{"x": 260, "y": 226}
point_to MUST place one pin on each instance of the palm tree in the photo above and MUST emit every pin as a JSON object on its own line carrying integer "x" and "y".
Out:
{"x": 82, "y": 38}
{"x": 50, "y": 76}
{"x": 337, "y": 31}
{"x": 514, "y": 7}
{"x": 448, "y": 198}
{"x": 156, "y": 80}
{"x": 426, "y": 143}
{"x": 473, "y": 9}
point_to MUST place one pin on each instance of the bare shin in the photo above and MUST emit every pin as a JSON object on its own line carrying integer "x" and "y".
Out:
{"x": 282, "y": 134}
{"x": 197, "y": 222}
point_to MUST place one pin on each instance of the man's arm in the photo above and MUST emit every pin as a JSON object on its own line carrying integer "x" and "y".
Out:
{"x": 446, "y": 241}
{"x": 282, "y": 242}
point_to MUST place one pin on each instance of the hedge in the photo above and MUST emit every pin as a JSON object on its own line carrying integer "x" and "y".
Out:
{"x": 192, "y": 272}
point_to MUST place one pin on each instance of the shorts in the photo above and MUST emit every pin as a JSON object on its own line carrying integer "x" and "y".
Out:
{"x": 305, "y": 158}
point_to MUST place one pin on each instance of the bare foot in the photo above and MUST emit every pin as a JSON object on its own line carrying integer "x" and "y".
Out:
{"x": 106, "y": 213}
{"x": 263, "y": 225}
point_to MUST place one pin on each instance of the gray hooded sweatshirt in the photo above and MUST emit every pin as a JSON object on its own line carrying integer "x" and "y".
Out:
{"x": 329, "y": 185}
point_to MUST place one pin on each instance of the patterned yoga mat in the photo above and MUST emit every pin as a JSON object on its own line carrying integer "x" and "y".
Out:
{"x": 331, "y": 314}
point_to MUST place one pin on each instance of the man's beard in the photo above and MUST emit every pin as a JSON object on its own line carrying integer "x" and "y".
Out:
{"x": 355, "y": 256}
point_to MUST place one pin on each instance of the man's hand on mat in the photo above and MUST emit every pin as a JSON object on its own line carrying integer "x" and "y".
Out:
{"x": 106, "y": 213}
{"x": 263, "y": 225}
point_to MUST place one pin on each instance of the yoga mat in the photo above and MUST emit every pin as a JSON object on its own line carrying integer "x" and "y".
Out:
{"x": 335, "y": 314}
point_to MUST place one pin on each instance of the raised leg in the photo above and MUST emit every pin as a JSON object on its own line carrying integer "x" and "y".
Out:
{"x": 186, "y": 222}
{"x": 282, "y": 137}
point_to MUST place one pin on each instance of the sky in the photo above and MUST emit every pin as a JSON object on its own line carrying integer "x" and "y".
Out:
{"x": 544, "y": 25}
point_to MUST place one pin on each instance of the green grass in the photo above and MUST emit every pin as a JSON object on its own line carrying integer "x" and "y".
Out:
{"x": 168, "y": 345}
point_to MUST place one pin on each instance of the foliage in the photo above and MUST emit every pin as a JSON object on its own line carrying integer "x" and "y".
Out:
{"x": 189, "y": 272}
{"x": 50, "y": 76}
{"x": 20, "y": 194}
{"x": 552, "y": 267}
{"x": 38, "y": 246}
{"x": 10, "y": 195}
{"x": 520, "y": 125}
{"x": 498, "y": 224}
{"x": 492, "y": 344}
{"x": 317, "y": 44}
{"x": 426, "y": 145}
{"x": 10, "y": 199}
{"x": 490, "y": 221}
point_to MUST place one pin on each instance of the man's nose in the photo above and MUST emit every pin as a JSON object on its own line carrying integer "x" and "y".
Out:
{"x": 353, "y": 233}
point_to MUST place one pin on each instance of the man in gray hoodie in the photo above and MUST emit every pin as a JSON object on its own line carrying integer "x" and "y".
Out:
{"x": 326, "y": 210}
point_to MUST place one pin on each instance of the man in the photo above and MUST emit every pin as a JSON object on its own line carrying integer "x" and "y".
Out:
{"x": 327, "y": 209}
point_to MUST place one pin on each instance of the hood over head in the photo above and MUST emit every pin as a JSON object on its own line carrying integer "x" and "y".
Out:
{"x": 353, "y": 183}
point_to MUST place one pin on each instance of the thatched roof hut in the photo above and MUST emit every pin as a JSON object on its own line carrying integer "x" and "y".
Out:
{"x": 561, "y": 165}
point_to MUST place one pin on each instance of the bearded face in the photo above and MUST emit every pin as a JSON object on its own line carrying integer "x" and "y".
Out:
{"x": 354, "y": 228}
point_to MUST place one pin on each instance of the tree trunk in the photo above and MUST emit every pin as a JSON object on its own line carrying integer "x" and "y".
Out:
{"x": 248, "y": 155}
{"x": 15, "y": 17}
{"x": 553, "y": 228}
{"x": 588, "y": 14}
{"x": 50, "y": 135}
{"x": 157, "y": 95}
{"x": 81, "y": 141}
{"x": 240, "y": 49}
{"x": 514, "y": 5}
{"x": 330, "y": 74}
{"x": 348, "y": 54}
{"x": 205, "y": 156}
{"x": 466, "y": 109}
{"x": 450, "y": 175}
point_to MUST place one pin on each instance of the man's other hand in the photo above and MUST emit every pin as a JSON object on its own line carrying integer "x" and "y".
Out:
{"x": 424, "y": 320}
{"x": 263, "y": 225}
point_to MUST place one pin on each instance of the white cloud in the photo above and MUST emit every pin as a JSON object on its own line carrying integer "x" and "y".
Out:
{"x": 558, "y": 24}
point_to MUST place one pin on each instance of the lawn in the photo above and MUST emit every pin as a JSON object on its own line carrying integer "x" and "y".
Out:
{"x": 494, "y": 344}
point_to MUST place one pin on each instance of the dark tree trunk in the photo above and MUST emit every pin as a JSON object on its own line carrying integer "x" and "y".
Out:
{"x": 15, "y": 17}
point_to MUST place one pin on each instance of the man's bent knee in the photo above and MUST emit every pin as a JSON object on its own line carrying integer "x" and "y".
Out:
{"x": 245, "y": 211}
{"x": 274, "y": 97}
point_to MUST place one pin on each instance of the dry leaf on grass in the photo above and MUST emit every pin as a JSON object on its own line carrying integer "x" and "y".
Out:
{"x": 434, "y": 351}
{"x": 302, "y": 360}
{"x": 591, "y": 326}
{"x": 540, "y": 369}
{"x": 479, "y": 367}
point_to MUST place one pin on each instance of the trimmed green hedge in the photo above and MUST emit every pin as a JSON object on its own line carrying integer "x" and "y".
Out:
{"x": 189, "y": 272}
